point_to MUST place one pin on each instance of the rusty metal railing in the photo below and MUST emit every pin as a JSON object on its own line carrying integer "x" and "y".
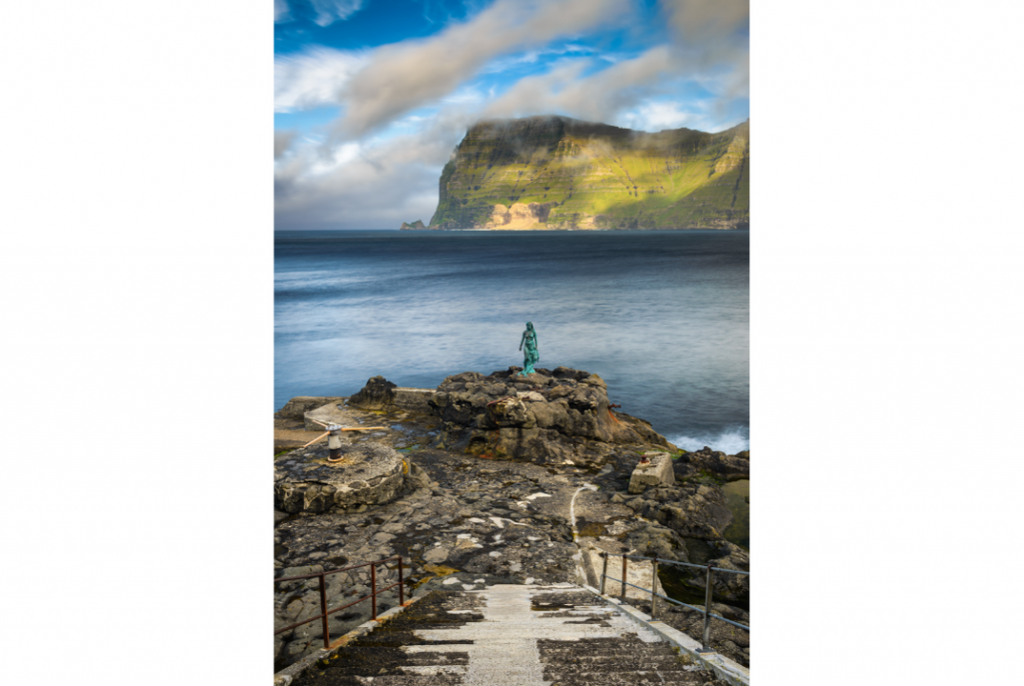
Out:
{"x": 708, "y": 614}
{"x": 324, "y": 612}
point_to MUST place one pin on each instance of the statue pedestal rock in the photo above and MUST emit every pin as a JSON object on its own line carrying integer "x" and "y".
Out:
{"x": 655, "y": 469}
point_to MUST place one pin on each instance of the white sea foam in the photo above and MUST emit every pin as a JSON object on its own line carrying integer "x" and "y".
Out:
{"x": 730, "y": 441}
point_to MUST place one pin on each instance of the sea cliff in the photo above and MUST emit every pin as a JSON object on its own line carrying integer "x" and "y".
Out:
{"x": 553, "y": 172}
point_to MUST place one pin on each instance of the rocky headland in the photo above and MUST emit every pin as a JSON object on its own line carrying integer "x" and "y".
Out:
{"x": 553, "y": 172}
{"x": 495, "y": 479}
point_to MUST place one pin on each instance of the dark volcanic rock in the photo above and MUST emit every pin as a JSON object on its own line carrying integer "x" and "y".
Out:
{"x": 550, "y": 417}
{"x": 716, "y": 463}
{"x": 659, "y": 541}
{"x": 367, "y": 474}
{"x": 298, "y": 406}
{"x": 377, "y": 394}
{"x": 692, "y": 510}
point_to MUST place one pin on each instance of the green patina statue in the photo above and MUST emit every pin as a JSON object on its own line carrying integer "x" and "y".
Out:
{"x": 531, "y": 355}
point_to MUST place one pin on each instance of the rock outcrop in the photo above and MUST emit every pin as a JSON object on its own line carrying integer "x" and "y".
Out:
{"x": 550, "y": 417}
{"x": 377, "y": 394}
{"x": 367, "y": 474}
{"x": 692, "y": 510}
{"x": 715, "y": 463}
{"x": 417, "y": 225}
{"x": 552, "y": 172}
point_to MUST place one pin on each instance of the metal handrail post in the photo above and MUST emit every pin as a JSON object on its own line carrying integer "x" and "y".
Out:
{"x": 604, "y": 571}
{"x": 373, "y": 590}
{"x": 654, "y": 583}
{"x": 622, "y": 595}
{"x": 707, "y": 613}
{"x": 401, "y": 583}
{"x": 323, "y": 612}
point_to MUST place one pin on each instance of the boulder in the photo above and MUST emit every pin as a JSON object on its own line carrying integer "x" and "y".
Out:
{"x": 691, "y": 510}
{"x": 716, "y": 463}
{"x": 658, "y": 541}
{"x": 725, "y": 586}
{"x": 377, "y": 394}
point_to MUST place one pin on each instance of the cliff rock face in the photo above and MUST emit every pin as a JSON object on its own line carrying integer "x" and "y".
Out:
{"x": 552, "y": 172}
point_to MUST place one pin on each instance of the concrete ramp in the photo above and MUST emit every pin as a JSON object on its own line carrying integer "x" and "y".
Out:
{"x": 506, "y": 635}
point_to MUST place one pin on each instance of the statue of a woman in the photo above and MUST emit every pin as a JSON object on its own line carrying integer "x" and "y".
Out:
{"x": 529, "y": 339}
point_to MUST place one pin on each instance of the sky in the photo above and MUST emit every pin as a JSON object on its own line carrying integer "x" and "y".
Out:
{"x": 372, "y": 96}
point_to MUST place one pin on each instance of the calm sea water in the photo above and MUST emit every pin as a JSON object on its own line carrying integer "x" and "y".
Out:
{"x": 662, "y": 316}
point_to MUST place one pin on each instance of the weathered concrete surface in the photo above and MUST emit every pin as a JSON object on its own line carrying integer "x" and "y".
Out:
{"x": 368, "y": 474}
{"x": 288, "y": 674}
{"x": 299, "y": 405}
{"x": 637, "y": 573}
{"x": 726, "y": 669}
{"x": 653, "y": 470}
{"x": 507, "y": 635}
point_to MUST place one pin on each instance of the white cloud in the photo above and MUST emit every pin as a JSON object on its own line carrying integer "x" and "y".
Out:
{"x": 282, "y": 141}
{"x": 281, "y": 12}
{"x": 714, "y": 32}
{"x": 707, "y": 22}
{"x": 406, "y": 75}
{"x": 701, "y": 115}
{"x": 375, "y": 184}
{"x": 328, "y": 11}
{"x": 598, "y": 97}
{"x": 313, "y": 78}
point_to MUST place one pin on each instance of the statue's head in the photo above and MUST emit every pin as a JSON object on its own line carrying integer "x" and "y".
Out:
{"x": 529, "y": 325}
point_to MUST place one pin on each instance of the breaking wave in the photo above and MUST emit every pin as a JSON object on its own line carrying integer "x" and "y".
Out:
{"x": 730, "y": 441}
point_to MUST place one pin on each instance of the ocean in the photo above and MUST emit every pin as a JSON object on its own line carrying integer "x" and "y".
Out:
{"x": 662, "y": 316}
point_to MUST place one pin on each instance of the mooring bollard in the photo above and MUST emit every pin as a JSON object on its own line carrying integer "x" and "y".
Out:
{"x": 334, "y": 442}
{"x": 604, "y": 571}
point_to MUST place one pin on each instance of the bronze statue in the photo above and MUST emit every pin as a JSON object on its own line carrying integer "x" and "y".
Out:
{"x": 531, "y": 355}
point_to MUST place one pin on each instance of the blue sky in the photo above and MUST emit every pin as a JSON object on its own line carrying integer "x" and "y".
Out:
{"x": 372, "y": 96}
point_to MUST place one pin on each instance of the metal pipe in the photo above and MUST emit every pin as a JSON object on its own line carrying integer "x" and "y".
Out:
{"x": 695, "y": 609}
{"x": 373, "y": 591}
{"x": 335, "y": 571}
{"x": 323, "y": 612}
{"x": 654, "y": 584}
{"x": 706, "y": 642}
{"x": 401, "y": 583}
{"x": 623, "y": 584}
{"x": 604, "y": 571}
{"x": 690, "y": 564}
